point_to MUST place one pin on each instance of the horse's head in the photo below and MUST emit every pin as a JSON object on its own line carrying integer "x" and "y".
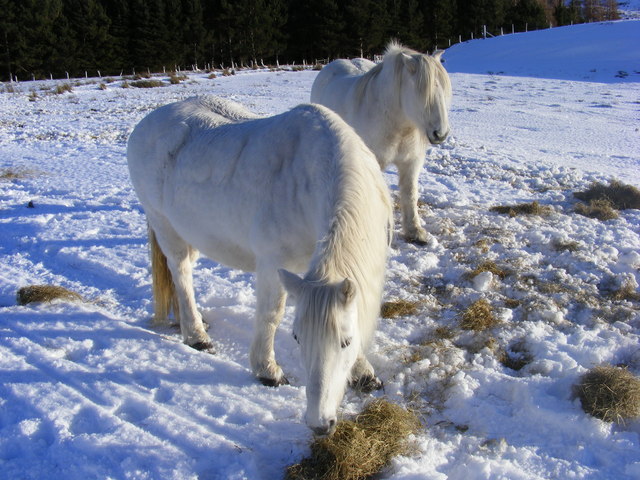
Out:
{"x": 326, "y": 328}
{"x": 425, "y": 92}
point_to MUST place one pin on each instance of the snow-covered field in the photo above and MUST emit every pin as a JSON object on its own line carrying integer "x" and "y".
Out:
{"x": 90, "y": 390}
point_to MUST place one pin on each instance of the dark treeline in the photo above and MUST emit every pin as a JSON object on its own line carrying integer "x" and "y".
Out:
{"x": 40, "y": 38}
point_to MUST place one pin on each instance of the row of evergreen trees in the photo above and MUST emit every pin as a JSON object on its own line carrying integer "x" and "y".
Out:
{"x": 40, "y": 38}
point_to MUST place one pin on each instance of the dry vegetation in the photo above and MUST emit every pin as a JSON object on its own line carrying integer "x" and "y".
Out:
{"x": 45, "y": 294}
{"x": 10, "y": 174}
{"x": 361, "y": 448}
{"x": 610, "y": 393}
{"x": 398, "y": 308}
{"x": 533, "y": 208}
{"x": 601, "y": 209}
{"x": 489, "y": 266}
{"x": 147, "y": 83}
{"x": 617, "y": 194}
{"x": 478, "y": 317}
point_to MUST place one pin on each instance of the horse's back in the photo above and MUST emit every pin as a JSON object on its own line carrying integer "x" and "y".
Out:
{"x": 235, "y": 186}
{"x": 336, "y": 78}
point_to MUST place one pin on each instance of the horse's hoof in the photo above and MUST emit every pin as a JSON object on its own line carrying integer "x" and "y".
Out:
{"x": 367, "y": 384}
{"x": 270, "y": 382}
{"x": 416, "y": 241}
{"x": 203, "y": 347}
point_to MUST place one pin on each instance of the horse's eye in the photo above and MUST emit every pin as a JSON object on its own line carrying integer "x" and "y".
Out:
{"x": 346, "y": 343}
{"x": 295, "y": 337}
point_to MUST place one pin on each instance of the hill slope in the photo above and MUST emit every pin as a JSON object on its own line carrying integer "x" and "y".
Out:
{"x": 598, "y": 52}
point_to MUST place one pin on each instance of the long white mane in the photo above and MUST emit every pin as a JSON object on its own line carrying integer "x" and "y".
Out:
{"x": 351, "y": 249}
{"x": 430, "y": 73}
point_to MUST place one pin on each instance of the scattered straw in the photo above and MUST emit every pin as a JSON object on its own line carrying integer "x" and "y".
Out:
{"x": 361, "y": 448}
{"x": 11, "y": 174}
{"x": 617, "y": 194}
{"x": 45, "y": 294}
{"x": 565, "y": 246}
{"x": 600, "y": 209}
{"x": 533, "y": 208}
{"x": 610, "y": 393}
{"x": 489, "y": 266}
{"x": 147, "y": 83}
{"x": 478, "y": 316}
{"x": 398, "y": 308}
{"x": 626, "y": 292}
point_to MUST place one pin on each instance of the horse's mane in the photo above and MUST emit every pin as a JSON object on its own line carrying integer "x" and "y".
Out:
{"x": 351, "y": 247}
{"x": 430, "y": 73}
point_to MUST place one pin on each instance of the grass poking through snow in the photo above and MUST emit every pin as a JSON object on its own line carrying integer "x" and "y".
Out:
{"x": 398, "y": 308}
{"x": 359, "y": 449}
{"x": 45, "y": 294}
{"x": 533, "y": 208}
{"x": 617, "y": 194}
{"x": 610, "y": 393}
{"x": 478, "y": 317}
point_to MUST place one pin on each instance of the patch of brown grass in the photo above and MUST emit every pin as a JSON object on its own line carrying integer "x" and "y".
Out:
{"x": 516, "y": 357}
{"x": 361, "y": 448}
{"x": 398, "y": 308}
{"x": 489, "y": 266}
{"x": 45, "y": 294}
{"x": 610, "y": 393}
{"x": 11, "y": 174}
{"x": 625, "y": 292}
{"x": 565, "y": 246}
{"x": 63, "y": 88}
{"x": 533, "y": 208}
{"x": 147, "y": 83}
{"x": 617, "y": 194}
{"x": 600, "y": 209}
{"x": 478, "y": 317}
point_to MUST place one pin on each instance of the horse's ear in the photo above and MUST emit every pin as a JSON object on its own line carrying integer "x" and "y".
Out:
{"x": 292, "y": 283}
{"x": 410, "y": 63}
{"x": 438, "y": 55}
{"x": 347, "y": 291}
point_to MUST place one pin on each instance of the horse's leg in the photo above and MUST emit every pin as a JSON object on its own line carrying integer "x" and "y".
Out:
{"x": 408, "y": 172}
{"x": 180, "y": 257}
{"x": 269, "y": 310}
{"x": 363, "y": 377}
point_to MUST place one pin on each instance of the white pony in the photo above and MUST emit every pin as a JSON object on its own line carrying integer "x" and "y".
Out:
{"x": 297, "y": 191}
{"x": 397, "y": 107}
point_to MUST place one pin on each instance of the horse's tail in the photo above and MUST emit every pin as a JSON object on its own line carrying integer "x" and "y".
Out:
{"x": 164, "y": 292}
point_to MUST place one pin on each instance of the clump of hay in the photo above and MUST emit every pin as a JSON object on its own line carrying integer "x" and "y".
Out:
{"x": 533, "y": 208}
{"x": 361, "y": 448}
{"x": 489, "y": 266}
{"x": 610, "y": 393}
{"x": 398, "y": 308}
{"x": 626, "y": 292}
{"x": 147, "y": 83}
{"x": 10, "y": 174}
{"x": 600, "y": 209}
{"x": 45, "y": 294}
{"x": 617, "y": 194}
{"x": 565, "y": 245}
{"x": 516, "y": 356}
{"x": 478, "y": 316}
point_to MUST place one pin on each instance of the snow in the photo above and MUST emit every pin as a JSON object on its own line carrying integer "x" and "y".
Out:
{"x": 92, "y": 390}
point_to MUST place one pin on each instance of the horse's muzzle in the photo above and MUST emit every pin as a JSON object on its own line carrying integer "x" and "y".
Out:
{"x": 437, "y": 137}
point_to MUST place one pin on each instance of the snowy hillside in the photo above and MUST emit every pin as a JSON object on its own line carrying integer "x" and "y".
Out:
{"x": 91, "y": 390}
{"x": 603, "y": 52}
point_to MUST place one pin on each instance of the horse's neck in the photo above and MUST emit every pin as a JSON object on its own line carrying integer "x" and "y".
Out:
{"x": 382, "y": 102}
{"x": 337, "y": 257}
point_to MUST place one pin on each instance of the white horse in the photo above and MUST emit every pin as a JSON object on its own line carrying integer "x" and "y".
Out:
{"x": 397, "y": 107}
{"x": 297, "y": 191}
